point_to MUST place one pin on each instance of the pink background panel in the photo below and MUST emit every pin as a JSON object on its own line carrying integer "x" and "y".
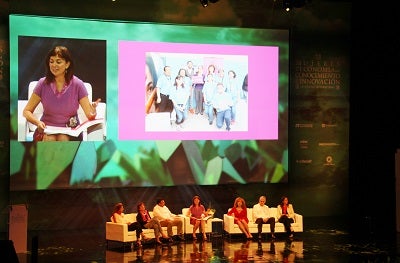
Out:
{"x": 262, "y": 97}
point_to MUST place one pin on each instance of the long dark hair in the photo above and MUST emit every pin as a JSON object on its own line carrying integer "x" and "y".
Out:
{"x": 283, "y": 198}
{"x": 64, "y": 53}
{"x": 183, "y": 81}
{"x": 196, "y": 197}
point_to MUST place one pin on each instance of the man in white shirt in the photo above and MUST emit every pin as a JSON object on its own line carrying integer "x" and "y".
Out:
{"x": 168, "y": 219}
{"x": 262, "y": 215}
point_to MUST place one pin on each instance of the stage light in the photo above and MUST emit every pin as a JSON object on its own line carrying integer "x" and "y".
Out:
{"x": 291, "y": 4}
{"x": 204, "y": 3}
{"x": 287, "y": 5}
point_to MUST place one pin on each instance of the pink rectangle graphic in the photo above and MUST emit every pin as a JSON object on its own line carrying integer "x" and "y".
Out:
{"x": 261, "y": 102}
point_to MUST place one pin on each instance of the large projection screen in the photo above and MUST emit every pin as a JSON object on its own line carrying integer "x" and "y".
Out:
{"x": 141, "y": 148}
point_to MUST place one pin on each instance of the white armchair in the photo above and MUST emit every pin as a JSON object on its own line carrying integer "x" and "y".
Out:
{"x": 119, "y": 231}
{"x": 96, "y": 132}
{"x": 189, "y": 228}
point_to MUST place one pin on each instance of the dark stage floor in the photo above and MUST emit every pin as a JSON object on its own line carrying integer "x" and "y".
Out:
{"x": 321, "y": 243}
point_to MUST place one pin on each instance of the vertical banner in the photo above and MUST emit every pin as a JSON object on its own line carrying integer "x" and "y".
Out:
{"x": 397, "y": 169}
{"x": 319, "y": 131}
{"x": 18, "y": 229}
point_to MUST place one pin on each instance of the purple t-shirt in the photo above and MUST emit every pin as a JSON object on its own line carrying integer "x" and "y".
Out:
{"x": 59, "y": 107}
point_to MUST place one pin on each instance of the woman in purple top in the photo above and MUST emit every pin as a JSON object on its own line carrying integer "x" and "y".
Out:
{"x": 60, "y": 93}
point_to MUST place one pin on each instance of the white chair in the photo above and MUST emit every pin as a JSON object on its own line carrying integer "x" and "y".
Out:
{"x": 119, "y": 232}
{"x": 93, "y": 133}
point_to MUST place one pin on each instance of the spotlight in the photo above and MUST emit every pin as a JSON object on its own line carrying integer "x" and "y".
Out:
{"x": 291, "y": 4}
{"x": 287, "y": 5}
{"x": 204, "y": 3}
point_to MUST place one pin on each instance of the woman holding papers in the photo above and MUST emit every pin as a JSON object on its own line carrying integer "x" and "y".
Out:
{"x": 61, "y": 93}
{"x": 198, "y": 217}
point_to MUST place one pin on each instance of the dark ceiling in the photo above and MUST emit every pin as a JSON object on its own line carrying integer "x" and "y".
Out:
{"x": 310, "y": 14}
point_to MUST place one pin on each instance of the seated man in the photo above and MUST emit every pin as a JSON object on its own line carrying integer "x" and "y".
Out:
{"x": 168, "y": 219}
{"x": 262, "y": 215}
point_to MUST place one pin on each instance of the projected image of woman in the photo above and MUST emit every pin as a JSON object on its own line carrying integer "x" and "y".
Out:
{"x": 61, "y": 93}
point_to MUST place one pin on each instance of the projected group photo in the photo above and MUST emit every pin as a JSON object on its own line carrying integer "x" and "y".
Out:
{"x": 184, "y": 89}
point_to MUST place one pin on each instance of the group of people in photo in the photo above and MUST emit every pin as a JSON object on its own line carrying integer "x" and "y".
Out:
{"x": 200, "y": 90}
{"x": 163, "y": 217}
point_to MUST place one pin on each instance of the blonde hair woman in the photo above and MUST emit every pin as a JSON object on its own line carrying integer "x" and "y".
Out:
{"x": 239, "y": 213}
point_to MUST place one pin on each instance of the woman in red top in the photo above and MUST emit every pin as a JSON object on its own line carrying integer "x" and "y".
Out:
{"x": 239, "y": 213}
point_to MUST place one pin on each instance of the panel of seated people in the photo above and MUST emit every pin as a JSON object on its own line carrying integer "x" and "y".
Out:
{"x": 231, "y": 228}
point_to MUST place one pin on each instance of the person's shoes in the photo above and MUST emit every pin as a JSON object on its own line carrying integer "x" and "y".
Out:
{"x": 291, "y": 235}
{"x": 170, "y": 240}
{"x": 194, "y": 237}
{"x": 259, "y": 236}
{"x": 210, "y": 122}
{"x": 181, "y": 238}
{"x": 204, "y": 237}
{"x": 228, "y": 128}
{"x": 272, "y": 236}
{"x": 138, "y": 243}
{"x": 158, "y": 242}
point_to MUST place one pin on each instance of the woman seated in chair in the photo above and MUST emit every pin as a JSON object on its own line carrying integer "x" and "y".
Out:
{"x": 118, "y": 216}
{"x": 61, "y": 93}
{"x": 145, "y": 220}
{"x": 197, "y": 213}
{"x": 239, "y": 213}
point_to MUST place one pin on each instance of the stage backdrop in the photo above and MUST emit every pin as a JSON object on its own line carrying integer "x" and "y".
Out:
{"x": 316, "y": 184}
{"x": 112, "y": 56}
